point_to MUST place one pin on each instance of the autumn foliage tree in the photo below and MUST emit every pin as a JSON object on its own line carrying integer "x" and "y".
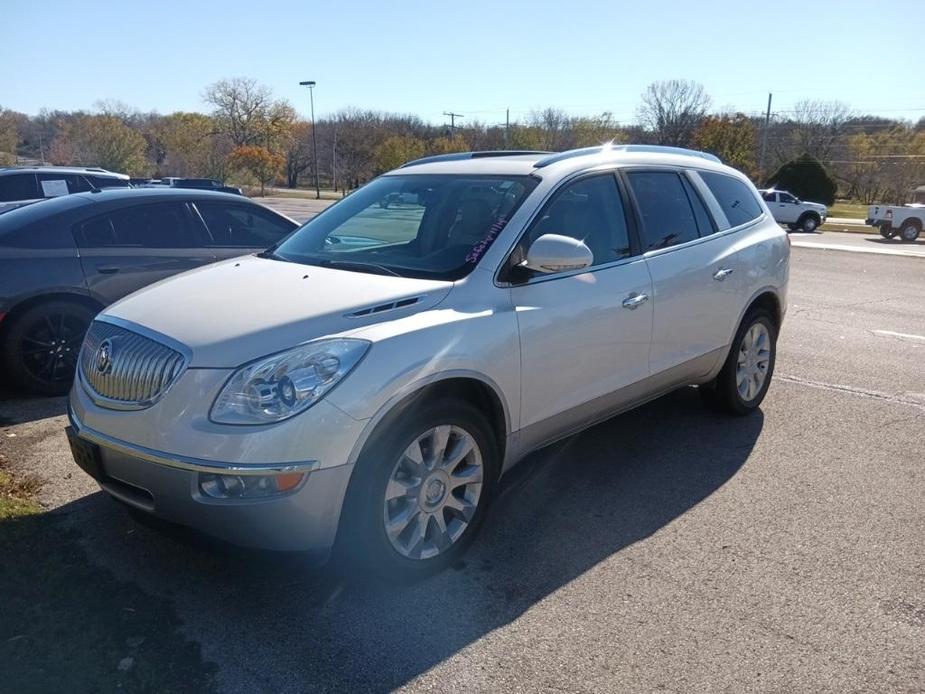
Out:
{"x": 734, "y": 139}
{"x": 101, "y": 140}
{"x": 395, "y": 151}
{"x": 261, "y": 163}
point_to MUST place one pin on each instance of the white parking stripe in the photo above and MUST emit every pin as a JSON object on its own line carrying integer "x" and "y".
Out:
{"x": 902, "y": 336}
{"x": 860, "y": 249}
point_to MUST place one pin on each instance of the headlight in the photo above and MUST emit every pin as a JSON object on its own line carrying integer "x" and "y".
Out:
{"x": 282, "y": 385}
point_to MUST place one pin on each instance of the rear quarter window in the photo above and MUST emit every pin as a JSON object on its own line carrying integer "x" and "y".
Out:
{"x": 46, "y": 235}
{"x": 735, "y": 197}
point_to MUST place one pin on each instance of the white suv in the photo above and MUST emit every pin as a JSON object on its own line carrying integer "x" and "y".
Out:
{"x": 796, "y": 214}
{"x": 364, "y": 383}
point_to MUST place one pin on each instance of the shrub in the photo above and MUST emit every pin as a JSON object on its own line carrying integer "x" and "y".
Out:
{"x": 806, "y": 178}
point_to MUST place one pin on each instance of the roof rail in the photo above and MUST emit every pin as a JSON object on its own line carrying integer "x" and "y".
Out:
{"x": 457, "y": 156}
{"x": 655, "y": 149}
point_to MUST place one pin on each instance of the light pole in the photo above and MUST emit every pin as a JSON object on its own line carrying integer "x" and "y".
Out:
{"x": 311, "y": 95}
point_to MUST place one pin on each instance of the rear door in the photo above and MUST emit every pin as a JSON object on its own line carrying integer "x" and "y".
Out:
{"x": 126, "y": 249}
{"x": 695, "y": 272}
{"x": 239, "y": 228}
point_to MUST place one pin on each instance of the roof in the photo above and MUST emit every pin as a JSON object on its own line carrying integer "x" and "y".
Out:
{"x": 96, "y": 171}
{"x": 527, "y": 163}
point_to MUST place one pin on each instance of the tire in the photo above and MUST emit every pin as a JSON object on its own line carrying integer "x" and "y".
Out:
{"x": 808, "y": 223}
{"x": 887, "y": 231}
{"x": 41, "y": 345}
{"x": 724, "y": 393}
{"x": 382, "y": 534}
{"x": 792, "y": 227}
{"x": 909, "y": 232}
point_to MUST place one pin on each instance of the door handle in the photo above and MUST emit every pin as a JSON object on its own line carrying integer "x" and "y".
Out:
{"x": 634, "y": 301}
{"x": 723, "y": 273}
{"x": 106, "y": 269}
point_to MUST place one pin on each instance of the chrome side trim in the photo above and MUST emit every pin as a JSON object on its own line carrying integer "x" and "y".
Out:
{"x": 182, "y": 462}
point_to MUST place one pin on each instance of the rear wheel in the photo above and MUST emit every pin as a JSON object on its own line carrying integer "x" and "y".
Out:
{"x": 420, "y": 491}
{"x": 887, "y": 232}
{"x": 41, "y": 346}
{"x": 910, "y": 230}
{"x": 746, "y": 374}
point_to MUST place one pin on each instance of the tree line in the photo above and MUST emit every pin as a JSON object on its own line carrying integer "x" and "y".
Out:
{"x": 250, "y": 137}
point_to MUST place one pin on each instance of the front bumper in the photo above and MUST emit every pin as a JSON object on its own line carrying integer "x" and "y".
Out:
{"x": 152, "y": 459}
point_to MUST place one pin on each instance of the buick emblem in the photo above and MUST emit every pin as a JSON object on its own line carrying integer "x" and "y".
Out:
{"x": 104, "y": 357}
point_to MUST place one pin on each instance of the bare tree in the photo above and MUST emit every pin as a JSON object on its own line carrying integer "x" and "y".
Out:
{"x": 241, "y": 108}
{"x": 672, "y": 110}
{"x": 816, "y": 127}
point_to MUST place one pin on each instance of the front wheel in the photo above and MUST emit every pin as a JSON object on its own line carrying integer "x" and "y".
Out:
{"x": 910, "y": 231}
{"x": 809, "y": 223}
{"x": 41, "y": 346}
{"x": 746, "y": 374}
{"x": 420, "y": 491}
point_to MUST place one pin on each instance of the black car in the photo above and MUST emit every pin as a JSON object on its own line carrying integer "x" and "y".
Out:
{"x": 21, "y": 183}
{"x": 199, "y": 184}
{"x": 63, "y": 260}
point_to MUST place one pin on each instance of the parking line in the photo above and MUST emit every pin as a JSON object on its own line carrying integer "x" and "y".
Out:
{"x": 859, "y": 249}
{"x": 901, "y": 336}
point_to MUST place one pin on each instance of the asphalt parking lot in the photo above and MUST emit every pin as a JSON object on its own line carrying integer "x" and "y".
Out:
{"x": 665, "y": 550}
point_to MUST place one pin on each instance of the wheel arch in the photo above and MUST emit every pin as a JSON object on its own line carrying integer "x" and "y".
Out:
{"x": 37, "y": 299}
{"x": 470, "y": 386}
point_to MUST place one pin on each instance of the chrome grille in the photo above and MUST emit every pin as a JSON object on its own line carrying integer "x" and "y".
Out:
{"x": 124, "y": 369}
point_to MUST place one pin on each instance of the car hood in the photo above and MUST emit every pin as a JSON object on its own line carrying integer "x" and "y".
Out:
{"x": 241, "y": 309}
{"x": 815, "y": 206}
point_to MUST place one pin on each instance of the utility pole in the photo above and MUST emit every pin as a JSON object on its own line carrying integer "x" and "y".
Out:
{"x": 334, "y": 158}
{"x": 453, "y": 117}
{"x": 764, "y": 140}
{"x": 507, "y": 128}
{"x": 311, "y": 93}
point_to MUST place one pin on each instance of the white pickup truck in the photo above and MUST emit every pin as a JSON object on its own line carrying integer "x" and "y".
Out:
{"x": 795, "y": 214}
{"x": 904, "y": 221}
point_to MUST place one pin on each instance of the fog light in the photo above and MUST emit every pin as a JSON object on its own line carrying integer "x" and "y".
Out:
{"x": 247, "y": 486}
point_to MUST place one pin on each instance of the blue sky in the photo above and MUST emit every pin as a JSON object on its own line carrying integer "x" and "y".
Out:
{"x": 474, "y": 57}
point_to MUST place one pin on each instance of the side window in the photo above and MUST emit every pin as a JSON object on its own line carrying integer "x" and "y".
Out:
{"x": 44, "y": 235}
{"x": 18, "y": 187}
{"x": 591, "y": 211}
{"x": 51, "y": 185}
{"x": 734, "y": 197}
{"x": 164, "y": 225}
{"x": 667, "y": 216}
{"x": 243, "y": 225}
{"x": 787, "y": 197}
{"x": 768, "y": 197}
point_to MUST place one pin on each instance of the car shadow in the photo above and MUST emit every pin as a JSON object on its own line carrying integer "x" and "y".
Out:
{"x": 919, "y": 243}
{"x": 18, "y": 408}
{"x": 270, "y": 623}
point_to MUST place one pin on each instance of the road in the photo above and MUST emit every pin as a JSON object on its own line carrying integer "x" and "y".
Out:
{"x": 668, "y": 549}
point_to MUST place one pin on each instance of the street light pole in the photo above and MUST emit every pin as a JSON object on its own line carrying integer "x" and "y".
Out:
{"x": 311, "y": 95}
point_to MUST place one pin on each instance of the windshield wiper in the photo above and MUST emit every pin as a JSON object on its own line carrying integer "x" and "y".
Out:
{"x": 359, "y": 266}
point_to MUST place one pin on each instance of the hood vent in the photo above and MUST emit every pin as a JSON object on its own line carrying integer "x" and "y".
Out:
{"x": 382, "y": 308}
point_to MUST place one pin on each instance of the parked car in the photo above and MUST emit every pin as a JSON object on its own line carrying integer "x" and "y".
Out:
{"x": 904, "y": 221}
{"x": 796, "y": 214}
{"x": 63, "y": 260}
{"x": 198, "y": 184}
{"x": 369, "y": 396}
{"x": 19, "y": 184}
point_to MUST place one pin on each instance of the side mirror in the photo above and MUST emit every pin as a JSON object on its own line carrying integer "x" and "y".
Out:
{"x": 555, "y": 253}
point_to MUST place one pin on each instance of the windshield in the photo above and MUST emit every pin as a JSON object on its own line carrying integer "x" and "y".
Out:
{"x": 435, "y": 227}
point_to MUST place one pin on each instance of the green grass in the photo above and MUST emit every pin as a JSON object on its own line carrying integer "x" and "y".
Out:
{"x": 851, "y": 210}
{"x": 17, "y": 496}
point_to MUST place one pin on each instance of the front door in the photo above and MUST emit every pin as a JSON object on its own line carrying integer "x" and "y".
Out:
{"x": 580, "y": 345}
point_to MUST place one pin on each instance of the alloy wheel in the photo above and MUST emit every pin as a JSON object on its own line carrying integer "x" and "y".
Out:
{"x": 433, "y": 492}
{"x": 753, "y": 361}
{"x": 50, "y": 347}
